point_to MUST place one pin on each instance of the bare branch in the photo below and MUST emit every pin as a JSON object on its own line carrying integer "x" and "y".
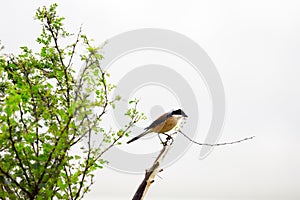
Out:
{"x": 218, "y": 144}
{"x": 152, "y": 171}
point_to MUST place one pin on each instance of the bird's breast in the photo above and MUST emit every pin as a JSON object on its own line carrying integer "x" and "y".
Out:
{"x": 166, "y": 126}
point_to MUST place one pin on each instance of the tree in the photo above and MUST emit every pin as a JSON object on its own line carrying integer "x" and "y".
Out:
{"x": 45, "y": 112}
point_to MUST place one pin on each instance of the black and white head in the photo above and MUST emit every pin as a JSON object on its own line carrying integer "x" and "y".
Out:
{"x": 178, "y": 113}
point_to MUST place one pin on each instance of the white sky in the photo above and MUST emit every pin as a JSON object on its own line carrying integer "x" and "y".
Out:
{"x": 255, "y": 46}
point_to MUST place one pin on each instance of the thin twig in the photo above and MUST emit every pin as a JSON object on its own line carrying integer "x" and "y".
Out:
{"x": 15, "y": 182}
{"x": 74, "y": 47}
{"x": 217, "y": 144}
{"x": 17, "y": 154}
{"x": 87, "y": 165}
{"x": 55, "y": 38}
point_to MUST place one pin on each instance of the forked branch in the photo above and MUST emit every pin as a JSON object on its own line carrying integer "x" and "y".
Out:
{"x": 152, "y": 171}
{"x": 155, "y": 168}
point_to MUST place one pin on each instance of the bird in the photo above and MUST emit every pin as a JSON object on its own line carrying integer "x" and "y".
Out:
{"x": 162, "y": 124}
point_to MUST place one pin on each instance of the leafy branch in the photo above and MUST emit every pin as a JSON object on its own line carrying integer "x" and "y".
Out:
{"x": 45, "y": 113}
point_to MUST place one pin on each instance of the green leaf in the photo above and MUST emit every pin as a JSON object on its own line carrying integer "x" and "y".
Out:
{"x": 77, "y": 157}
{"x": 120, "y": 132}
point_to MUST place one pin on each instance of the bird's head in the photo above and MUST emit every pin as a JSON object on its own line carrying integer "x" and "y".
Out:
{"x": 179, "y": 113}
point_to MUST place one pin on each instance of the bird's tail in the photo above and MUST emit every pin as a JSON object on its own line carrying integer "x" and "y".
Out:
{"x": 139, "y": 136}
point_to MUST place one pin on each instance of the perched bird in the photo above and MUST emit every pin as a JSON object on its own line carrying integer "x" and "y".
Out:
{"x": 162, "y": 124}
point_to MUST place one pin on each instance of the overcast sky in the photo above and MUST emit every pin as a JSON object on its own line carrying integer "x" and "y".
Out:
{"x": 255, "y": 46}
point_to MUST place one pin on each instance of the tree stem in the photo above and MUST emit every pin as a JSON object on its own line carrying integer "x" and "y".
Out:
{"x": 152, "y": 171}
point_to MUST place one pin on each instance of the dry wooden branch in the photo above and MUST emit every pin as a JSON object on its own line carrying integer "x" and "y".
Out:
{"x": 155, "y": 168}
{"x": 217, "y": 144}
{"x": 152, "y": 171}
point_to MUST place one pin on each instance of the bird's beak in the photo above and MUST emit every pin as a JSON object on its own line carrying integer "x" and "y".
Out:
{"x": 184, "y": 115}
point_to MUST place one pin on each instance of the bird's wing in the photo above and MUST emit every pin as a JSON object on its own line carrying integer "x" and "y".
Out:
{"x": 159, "y": 120}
